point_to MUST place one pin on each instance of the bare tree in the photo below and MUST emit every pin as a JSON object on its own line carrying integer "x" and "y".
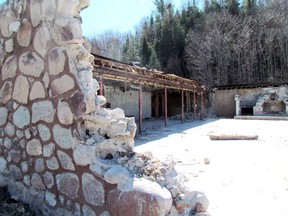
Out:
{"x": 109, "y": 44}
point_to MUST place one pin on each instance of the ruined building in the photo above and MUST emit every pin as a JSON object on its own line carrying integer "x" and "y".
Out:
{"x": 60, "y": 152}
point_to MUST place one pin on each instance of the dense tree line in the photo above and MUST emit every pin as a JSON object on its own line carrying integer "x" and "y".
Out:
{"x": 223, "y": 43}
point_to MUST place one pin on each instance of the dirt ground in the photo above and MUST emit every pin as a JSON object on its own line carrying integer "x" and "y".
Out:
{"x": 244, "y": 178}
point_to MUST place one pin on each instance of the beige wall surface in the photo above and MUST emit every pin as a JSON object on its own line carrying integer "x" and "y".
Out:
{"x": 129, "y": 101}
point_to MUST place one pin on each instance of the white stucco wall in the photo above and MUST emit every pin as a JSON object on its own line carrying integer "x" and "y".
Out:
{"x": 128, "y": 101}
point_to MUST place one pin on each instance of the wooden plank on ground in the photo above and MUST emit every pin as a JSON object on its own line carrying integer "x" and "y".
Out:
{"x": 233, "y": 137}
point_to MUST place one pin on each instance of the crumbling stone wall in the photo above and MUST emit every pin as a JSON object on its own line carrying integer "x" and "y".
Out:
{"x": 60, "y": 152}
{"x": 225, "y": 102}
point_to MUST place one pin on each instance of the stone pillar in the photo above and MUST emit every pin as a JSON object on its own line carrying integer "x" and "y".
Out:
{"x": 237, "y": 99}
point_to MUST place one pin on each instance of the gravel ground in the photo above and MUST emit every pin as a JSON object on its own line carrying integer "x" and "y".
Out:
{"x": 244, "y": 178}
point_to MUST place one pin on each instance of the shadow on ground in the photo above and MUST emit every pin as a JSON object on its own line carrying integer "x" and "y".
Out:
{"x": 154, "y": 129}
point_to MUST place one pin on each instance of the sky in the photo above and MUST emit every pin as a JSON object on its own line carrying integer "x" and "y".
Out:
{"x": 118, "y": 15}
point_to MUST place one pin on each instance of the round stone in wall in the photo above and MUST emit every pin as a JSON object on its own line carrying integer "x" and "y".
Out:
{"x": 52, "y": 164}
{"x": 15, "y": 156}
{"x": 5, "y": 20}
{"x": 93, "y": 190}
{"x": 24, "y": 33}
{"x": 44, "y": 132}
{"x": 87, "y": 211}
{"x": 37, "y": 182}
{"x": 6, "y": 92}
{"x": 24, "y": 166}
{"x": 34, "y": 147}
{"x": 36, "y": 15}
{"x": 10, "y": 129}
{"x": 68, "y": 184}
{"x": 21, "y": 117}
{"x": 3, "y": 115}
{"x": 21, "y": 90}
{"x": 42, "y": 39}
{"x": 37, "y": 91}
{"x": 64, "y": 113}
{"x": 9, "y": 67}
{"x": 39, "y": 165}
{"x": 63, "y": 137}
{"x": 9, "y": 45}
{"x": 43, "y": 110}
{"x": 31, "y": 64}
{"x": 48, "y": 179}
{"x": 7, "y": 143}
{"x": 56, "y": 60}
{"x": 65, "y": 161}
{"x": 48, "y": 149}
{"x": 61, "y": 86}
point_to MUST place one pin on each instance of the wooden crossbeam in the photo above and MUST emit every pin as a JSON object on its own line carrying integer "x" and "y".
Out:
{"x": 113, "y": 70}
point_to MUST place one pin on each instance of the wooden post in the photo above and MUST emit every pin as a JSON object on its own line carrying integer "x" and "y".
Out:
{"x": 140, "y": 109}
{"x": 202, "y": 106}
{"x": 100, "y": 86}
{"x": 194, "y": 99}
{"x": 165, "y": 106}
{"x": 182, "y": 106}
{"x": 188, "y": 101}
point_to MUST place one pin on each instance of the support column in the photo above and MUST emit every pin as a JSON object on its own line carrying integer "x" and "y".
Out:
{"x": 182, "y": 106}
{"x": 188, "y": 101}
{"x": 165, "y": 106}
{"x": 237, "y": 108}
{"x": 140, "y": 109}
{"x": 100, "y": 86}
{"x": 202, "y": 106}
{"x": 195, "y": 105}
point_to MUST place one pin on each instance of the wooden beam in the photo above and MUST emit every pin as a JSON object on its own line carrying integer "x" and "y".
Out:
{"x": 149, "y": 78}
{"x": 233, "y": 137}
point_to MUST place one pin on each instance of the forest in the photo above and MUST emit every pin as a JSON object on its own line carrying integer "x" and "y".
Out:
{"x": 221, "y": 43}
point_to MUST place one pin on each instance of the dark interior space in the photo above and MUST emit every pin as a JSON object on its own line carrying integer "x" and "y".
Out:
{"x": 247, "y": 111}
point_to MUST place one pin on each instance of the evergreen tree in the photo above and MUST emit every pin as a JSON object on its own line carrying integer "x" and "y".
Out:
{"x": 249, "y": 6}
{"x": 145, "y": 52}
{"x": 233, "y": 7}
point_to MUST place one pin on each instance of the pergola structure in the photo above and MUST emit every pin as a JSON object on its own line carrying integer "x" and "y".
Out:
{"x": 109, "y": 69}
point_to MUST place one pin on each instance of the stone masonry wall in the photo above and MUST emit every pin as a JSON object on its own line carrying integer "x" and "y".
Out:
{"x": 60, "y": 152}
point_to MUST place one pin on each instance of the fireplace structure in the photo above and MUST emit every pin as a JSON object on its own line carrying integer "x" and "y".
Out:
{"x": 271, "y": 103}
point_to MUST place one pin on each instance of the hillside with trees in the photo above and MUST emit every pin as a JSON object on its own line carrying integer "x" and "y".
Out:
{"x": 223, "y": 43}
